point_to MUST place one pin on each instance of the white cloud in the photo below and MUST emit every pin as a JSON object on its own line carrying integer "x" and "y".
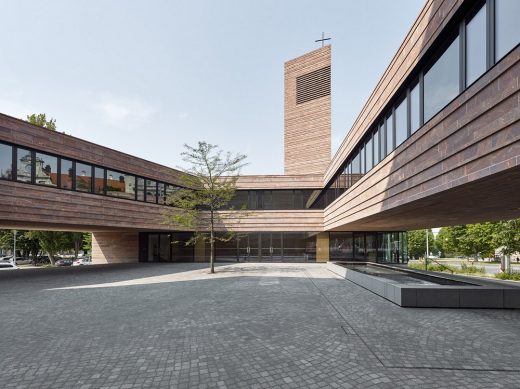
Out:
{"x": 127, "y": 111}
{"x": 183, "y": 115}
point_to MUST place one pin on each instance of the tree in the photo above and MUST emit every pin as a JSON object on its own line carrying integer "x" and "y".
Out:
{"x": 26, "y": 243}
{"x": 417, "y": 242}
{"x": 479, "y": 240}
{"x": 75, "y": 241}
{"x": 208, "y": 186}
{"x": 87, "y": 242}
{"x": 53, "y": 242}
{"x": 449, "y": 240}
{"x": 507, "y": 236}
{"x": 41, "y": 120}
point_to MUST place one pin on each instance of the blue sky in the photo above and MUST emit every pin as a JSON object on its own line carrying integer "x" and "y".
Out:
{"x": 145, "y": 77}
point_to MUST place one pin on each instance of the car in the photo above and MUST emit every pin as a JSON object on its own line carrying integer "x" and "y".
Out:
{"x": 8, "y": 266}
{"x": 82, "y": 261}
{"x": 64, "y": 262}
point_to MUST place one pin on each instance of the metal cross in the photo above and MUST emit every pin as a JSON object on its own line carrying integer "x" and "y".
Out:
{"x": 323, "y": 39}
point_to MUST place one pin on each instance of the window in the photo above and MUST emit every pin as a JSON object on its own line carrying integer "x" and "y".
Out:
{"x": 46, "y": 170}
{"x": 362, "y": 160}
{"x": 99, "y": 180}
{"x": 161, "y": 193}
{"x": 476, "y": 46}
{"x": 415, "y": 103}
{"x": 282, "y": 199}
{"x": 441, "y": 82}
{"x": 369, "y": 155}
{"x": 401, "y": 123}
{"x": 151, "y": 191}
{"x": 376, "y": 148}
{"x": 23, "y": 165}
{"x": 83, "y": 177}
{"x": 140, "y": 189}
{"x": 66, "y": 173}
{"x": 389, "y": 134}
{"x": 6, "y": 161}
{"x": 120, "y": 185}
{"x": 507, "y": 28}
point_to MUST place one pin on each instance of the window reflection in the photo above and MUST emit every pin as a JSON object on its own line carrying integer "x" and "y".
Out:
{"x": 6, "y": 161}
{"x": 476, "y": 46}
{"x": 415, "y": 104}
{"x": 507, "y": 30}
{"x": 140, "y": 189}
{"x": 24, "y": 165}
{"x": 66, "y": 173}
{"x": 401, "y": 123}
{"x": 99, "y": 181}
{"x": 46, "y": 172}
{"x": 441, "y": 82}
{"x": 120, "y": 184}
{"x": 83, "y": 177}
{"x": 151, "y": 191}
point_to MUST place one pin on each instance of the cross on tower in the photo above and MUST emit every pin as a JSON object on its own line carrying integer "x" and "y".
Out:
{"x": 323, "y": 39}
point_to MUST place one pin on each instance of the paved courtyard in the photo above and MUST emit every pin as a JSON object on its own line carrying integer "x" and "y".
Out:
{"x": 248, "y": 326}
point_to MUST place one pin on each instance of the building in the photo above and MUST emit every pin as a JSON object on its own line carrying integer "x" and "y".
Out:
{"x": 437, "y": 143}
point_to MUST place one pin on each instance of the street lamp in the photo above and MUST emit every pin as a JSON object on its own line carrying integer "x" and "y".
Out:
{"x": 427, "y": 252}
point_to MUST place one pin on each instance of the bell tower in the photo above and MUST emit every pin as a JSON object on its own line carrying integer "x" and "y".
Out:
{"x": 307, "y": 113}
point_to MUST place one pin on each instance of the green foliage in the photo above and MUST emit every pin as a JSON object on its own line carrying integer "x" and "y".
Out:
{"x": 513, "y": 276}
{"x": 417, "y": 243}
{"x": 26, "y": 243}
{"x": 508, "y": 236}
{"x": 52, "y": 242}
{"x": 209, "y": 185}
{"x": 471, "y": 269}
{"x": 87, "y": 242}
{"x": 419, "y": 265}
{"x": 432, "y": 266}
{"x": 448, "y": 240}
{"x": 41, "y": 120}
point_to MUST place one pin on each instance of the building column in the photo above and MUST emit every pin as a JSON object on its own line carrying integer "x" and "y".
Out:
{"x": 115, "y": 247}
{"x": 322, "y": 247}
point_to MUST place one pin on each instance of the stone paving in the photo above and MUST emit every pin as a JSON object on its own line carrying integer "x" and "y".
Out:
{"x": 248, "y": 326}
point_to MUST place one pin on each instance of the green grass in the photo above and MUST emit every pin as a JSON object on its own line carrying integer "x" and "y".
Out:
{"x": 513, "y": 276}
{"x": 463, "y": 269}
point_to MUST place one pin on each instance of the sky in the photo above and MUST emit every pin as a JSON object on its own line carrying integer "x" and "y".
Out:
{"x": 145, "y": 77}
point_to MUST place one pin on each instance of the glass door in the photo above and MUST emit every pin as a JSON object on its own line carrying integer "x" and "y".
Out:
{"x": 265, "y": 247}
{"x": 276, "y": 246}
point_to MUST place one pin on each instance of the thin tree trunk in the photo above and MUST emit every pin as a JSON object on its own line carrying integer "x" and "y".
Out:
{"x": 211, "y": 246}
{"x": 51, "y": 258}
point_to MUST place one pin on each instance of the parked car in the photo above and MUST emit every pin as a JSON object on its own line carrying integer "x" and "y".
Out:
{"x": 82, "y": 261}
{"x": 10, "y": 259}
{"x": 42, "y": 260}
{"x": 6, "y": 265}
{"x": 64, "y": 262}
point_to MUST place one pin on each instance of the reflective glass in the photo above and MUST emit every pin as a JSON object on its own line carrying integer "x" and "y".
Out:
{"x": 282, "y": 199}
{"x": 6, "y": 161}
{"x": 341, "y": 246}
{"x": 120, "y": 184}
{"x": 46, "y": 170}
{"x": 66, "y": 173}
{"x": 362, "y": 159}
{"x": 161, "y": 193}
{"x": 441, "y": 82}
{"x": 151, "y": 191}
{"x": 376, "y": 148}
{"x": 369, "y": 156}
{"x": 389, "y": 134}
{"x": 99, "y": 180}
{"x": 415, "y": 119}
{"x": 140, "y": 189}
{"x": 359, "y": 246}
{"x": 401, "y": 123}
{"x": 507, "y": 29}
{"x": 83, "y": 177}
{"x": 476, "y": 46}
{"x": 24, "y": 165}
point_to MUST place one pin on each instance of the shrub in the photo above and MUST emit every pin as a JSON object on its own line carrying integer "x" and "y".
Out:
{"x": 419, "y": 265}
{"x": 514, "y": 276}
{"x": 471, "y": 269}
